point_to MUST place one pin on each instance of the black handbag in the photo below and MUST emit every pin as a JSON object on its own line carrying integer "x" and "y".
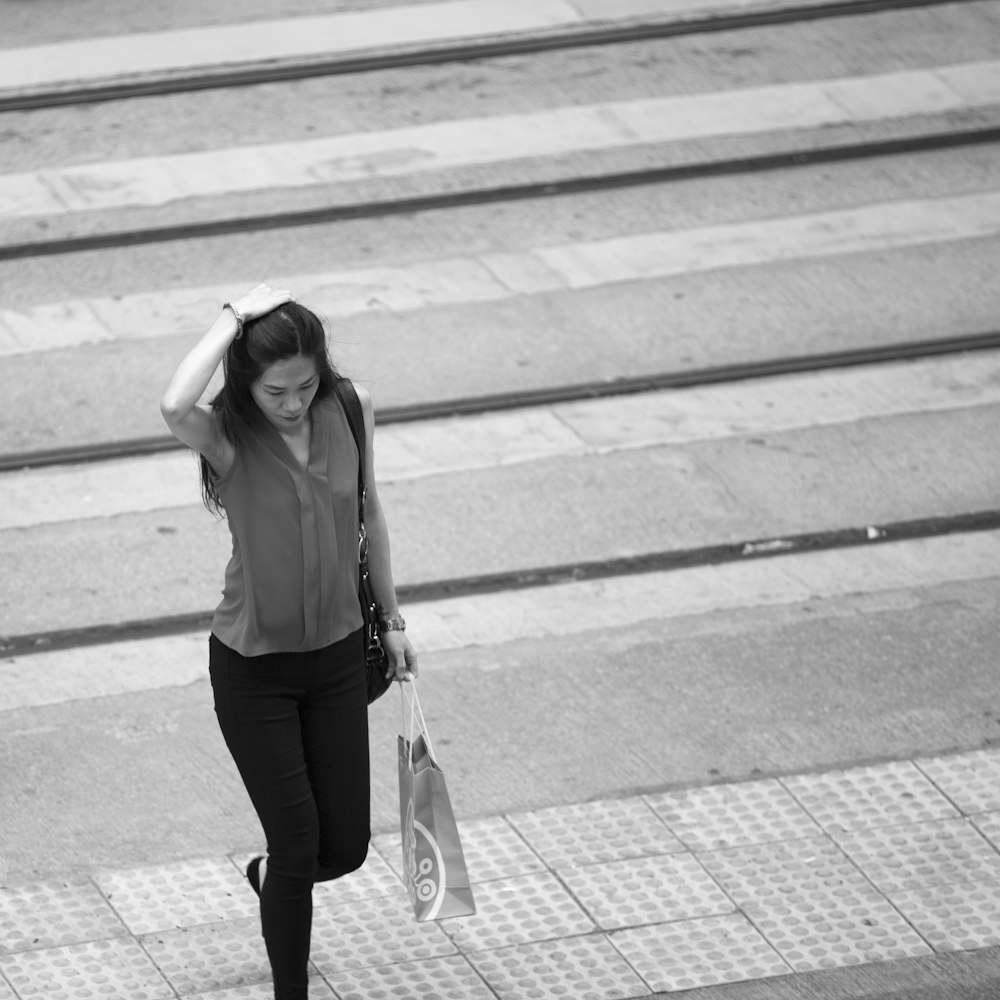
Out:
{"x": 376, "y": 658}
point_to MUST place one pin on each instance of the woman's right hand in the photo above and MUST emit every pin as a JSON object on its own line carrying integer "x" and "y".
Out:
{"x": 261, "y": 300}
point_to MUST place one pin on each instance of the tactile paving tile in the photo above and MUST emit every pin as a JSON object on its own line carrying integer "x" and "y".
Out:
{"x": 970, "y": 780}
{"x": 586, "y": 968}
{"x": 374, "y": 878}
{"x": 492, "y": 850}
{"x": 593, "y": 832}
{"x": 434, "y": 979}
{"x": 49, "y": 914}
{"x": 318, "y": 990}
{"x": 953, "y": 918}
{"x": 776, "y": 874}
{"x": 832, "y": 928}
{"x": 863, "y": 797}
{"x": 83, "y": 971}
{"x": 942, "y": 852}
{"x": 988, "y": 824}
{"x": 182, "y": 894}
{"x": 689, "y": 954}
{"x": 389, "y": 849}
{"x": 213, "y": 957}
{"x": 752, "y": 812}
{"x": 374, "y": 932}
{"x": 517, "y": 910}
{"x": 647, "y": 891}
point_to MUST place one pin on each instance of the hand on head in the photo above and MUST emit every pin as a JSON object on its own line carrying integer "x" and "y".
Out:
{"x": 261, "y": 300}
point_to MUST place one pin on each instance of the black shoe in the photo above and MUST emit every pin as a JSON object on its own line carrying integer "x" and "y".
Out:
{"x": 253, "y": 873}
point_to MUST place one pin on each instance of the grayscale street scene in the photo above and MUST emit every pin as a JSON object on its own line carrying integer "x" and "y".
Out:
{"x": 680, "y": 320}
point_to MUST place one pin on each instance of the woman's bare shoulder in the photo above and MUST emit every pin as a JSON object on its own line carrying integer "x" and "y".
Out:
{"x": 364, "y": 396}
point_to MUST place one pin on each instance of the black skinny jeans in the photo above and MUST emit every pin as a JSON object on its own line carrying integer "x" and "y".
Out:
{"x": 297, "y": 727}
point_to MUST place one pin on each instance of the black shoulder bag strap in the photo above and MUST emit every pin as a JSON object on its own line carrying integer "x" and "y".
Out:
{"x": 375, "y": 655}
{"x": 356, "y": 418}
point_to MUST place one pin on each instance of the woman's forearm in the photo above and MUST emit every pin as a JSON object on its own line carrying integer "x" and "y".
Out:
{"x": 195, "y": 372}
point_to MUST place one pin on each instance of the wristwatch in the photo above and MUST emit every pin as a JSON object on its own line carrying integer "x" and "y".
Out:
{"x": 394, "y": 624}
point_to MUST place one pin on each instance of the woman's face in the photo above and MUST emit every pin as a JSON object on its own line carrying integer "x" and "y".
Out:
{"x": 285, "y": 391}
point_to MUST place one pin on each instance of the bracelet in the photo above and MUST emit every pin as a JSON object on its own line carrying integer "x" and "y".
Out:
{"x": 394, "y": 624}
{"x": 239, "y": 318}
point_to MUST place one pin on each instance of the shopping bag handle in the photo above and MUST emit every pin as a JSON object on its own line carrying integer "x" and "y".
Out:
{"x": 415, "y": 712}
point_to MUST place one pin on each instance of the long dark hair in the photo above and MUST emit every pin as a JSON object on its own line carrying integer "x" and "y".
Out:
{"x": 285, "y": 332}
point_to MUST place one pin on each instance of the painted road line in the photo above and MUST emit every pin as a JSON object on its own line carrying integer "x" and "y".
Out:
{"x": 141, "y": 55}
{"x": 161, "y": 180}
{"x": 537, "y": 613}
{"x": 407, "y": 451}
{"x": 498, "y": 276}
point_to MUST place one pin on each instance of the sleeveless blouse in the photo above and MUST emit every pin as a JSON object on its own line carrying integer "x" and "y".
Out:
{"x": 292, "y": 580}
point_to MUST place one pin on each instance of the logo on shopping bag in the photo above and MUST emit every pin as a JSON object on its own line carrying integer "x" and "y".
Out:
{"x": 424, "y": 867}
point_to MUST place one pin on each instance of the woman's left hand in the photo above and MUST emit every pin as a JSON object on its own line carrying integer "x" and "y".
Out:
{"x": 402, "y": 656}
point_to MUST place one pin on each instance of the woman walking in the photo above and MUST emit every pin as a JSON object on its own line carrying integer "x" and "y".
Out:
{"x": 286, "y": 650}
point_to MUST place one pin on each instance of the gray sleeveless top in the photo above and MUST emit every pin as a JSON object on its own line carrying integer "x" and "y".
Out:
{"x": 292, "y": 581}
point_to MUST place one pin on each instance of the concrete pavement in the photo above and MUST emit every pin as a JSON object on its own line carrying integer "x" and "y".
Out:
{"x": 489, "y": 278}
{"x": 680, "y": 497}
{"x": 579, "y": 430}
{"x": 32, "y": 678}
{"x": 114, "y": 772}
{"x": 498, "y": 141}
{"x": 664, "y": 892}
{"x": 782, "y": 693}
{"x": 733, "y": 774}
{"x": 354, "y": 143}
{"x": 440, "y": 158}
{"x": 135, "y": 55}
{"x": 453, "y": 302}
{"x": 440, "y": 351}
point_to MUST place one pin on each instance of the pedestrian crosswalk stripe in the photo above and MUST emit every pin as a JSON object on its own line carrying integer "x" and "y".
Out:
{"x": 162, "y": 180}
{"x": 496, "y": 276}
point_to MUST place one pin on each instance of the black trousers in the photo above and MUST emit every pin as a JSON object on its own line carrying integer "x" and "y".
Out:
{"x": 297, "y": 727}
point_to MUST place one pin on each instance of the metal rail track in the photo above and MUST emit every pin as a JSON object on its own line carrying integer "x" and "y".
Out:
{"x": 587, "y": 36}
{"x": 761, "y": 548}
{"x": 504, "y": 193}
{"x": 473, "y": 405}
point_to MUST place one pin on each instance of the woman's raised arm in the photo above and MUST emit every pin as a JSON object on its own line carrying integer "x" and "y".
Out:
{"x": 189, "y": 422}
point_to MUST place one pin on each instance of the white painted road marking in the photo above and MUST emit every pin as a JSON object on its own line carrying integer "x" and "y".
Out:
{"x": 647, "y": 420}
{"x": 497, "y": 276}
{"x": 161, "y": 180}
{"x": 491, "y": 619}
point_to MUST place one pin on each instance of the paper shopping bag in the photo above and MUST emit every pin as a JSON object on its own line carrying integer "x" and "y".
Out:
{"x": 433, "y": 863}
